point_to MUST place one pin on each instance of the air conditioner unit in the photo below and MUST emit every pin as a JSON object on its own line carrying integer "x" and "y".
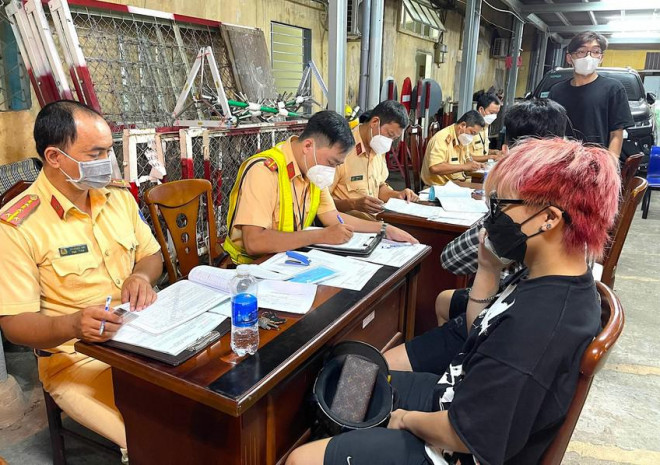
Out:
{"x": 500, "y": 48}
{"x": 354, "y": 18}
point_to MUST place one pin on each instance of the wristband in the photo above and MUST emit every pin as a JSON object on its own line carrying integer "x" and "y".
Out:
{"x": 487, "y": 300}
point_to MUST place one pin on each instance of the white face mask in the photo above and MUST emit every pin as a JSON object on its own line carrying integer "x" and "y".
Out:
{"x": 490, "y": 118}
{"x": 586, "y": 66}
{"x": 465, "y": 139}
{"x": 94, "y": 174}
{"x": 379, "y": 143}
{"x": 320, "y": 175}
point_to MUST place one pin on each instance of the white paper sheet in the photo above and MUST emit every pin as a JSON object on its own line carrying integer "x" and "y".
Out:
{"x": 394, "y": 256}
{"x": 460, "y": 204}
{"x": 359, "y": 241}
{"x": 176, "y": 304}
{"x": 452, "y": 190}
{"x": 353, "y": 274}
{"x": 172, "y": 342}
{"x": 286, "y": 296}
{"x": 412, "y": 208}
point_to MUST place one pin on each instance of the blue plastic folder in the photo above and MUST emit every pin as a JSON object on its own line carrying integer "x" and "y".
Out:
{"x": 314, "y": 275}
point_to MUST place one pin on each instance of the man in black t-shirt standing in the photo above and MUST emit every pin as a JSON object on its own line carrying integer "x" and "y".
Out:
{"x": 597, "y": 106}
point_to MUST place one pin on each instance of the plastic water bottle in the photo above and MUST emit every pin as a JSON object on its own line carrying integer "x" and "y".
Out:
{"x": 244, "y": 314}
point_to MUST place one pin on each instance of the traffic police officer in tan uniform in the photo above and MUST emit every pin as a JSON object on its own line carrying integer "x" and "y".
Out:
{"x": 69, "y": 242}
{"x": 488, "y": 106}
{"x": 360, "y": 187}
{"x": 447, "y": 157}
{"x": 278, "y": 194}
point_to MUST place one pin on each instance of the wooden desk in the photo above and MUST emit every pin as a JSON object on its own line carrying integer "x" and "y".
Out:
{"x": 217, "y": 409}
{"x": 432, "y": 277}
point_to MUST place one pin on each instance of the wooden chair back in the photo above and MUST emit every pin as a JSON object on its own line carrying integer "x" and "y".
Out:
{"x": 619, "y": 232}
{"x": 178, "y": 204}
{"x": 593, "y": 359}
{"x": 413, "y": 156}
{"x": 628, "y": 172}
{"x": 13, "y": 191}
{"x": 434, "y": 127}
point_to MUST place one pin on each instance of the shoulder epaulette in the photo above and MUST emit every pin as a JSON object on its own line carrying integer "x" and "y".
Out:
{"x": 23, "y": 208}
{"x": 119, "y": 183}
{"x": 270, "y": 164}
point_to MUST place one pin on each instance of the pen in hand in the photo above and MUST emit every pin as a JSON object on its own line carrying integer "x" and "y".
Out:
{"x": 108, "y": 300}
{"x": 341, "y": 220}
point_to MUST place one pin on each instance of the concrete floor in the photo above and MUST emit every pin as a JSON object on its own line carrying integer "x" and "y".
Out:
{"x": 620, "y": 423}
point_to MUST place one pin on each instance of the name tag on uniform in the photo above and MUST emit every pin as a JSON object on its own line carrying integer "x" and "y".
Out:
{"x": 73, "y": 250}
{"x": 454, "y": 159}
{"x": 357, "y": 178}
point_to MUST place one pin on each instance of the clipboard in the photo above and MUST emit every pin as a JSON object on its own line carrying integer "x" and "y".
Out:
{"x": 341, "y": 249}
{"x": 175, "y": 360}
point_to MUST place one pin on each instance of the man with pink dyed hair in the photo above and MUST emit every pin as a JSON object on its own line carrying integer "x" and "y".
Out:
{"x": 502, "y": 396}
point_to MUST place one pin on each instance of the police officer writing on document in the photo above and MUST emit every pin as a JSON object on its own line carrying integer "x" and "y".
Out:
{"x": 73, "y": 240}
{"x": 279, "y": 193}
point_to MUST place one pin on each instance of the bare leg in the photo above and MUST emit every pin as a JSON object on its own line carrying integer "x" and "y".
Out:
{"x": 397, "y": 358}
{"x": 311, "y": 453}
{"x": 442, "y": 303}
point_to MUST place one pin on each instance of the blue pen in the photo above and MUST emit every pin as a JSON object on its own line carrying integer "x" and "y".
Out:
{"x": 341, "y": 221}
{"x": 108, "y": 300}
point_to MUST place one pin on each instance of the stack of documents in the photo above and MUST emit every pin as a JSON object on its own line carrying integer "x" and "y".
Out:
{"x": 443, "y": 215}
{"x": 393, "y": 253}
{"x": 350, "y": 273}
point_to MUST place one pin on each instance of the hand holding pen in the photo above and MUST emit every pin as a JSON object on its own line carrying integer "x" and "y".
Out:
{"x": 108, "y": 300}
{"x": 338, "y": 233}
{"x": 95, "y": 323}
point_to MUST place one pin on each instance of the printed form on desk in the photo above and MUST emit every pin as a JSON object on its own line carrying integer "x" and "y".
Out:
{"x": 174, "y": 341}
{"x": 352, "y": 274}
{"x": 397, "y": 256}
{"x": 176, "y": 304}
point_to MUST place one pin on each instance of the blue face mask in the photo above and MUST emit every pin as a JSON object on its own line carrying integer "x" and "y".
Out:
{"x": 94, "y": 174}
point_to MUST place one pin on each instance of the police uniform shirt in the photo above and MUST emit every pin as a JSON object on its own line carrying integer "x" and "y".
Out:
{"x": 58, "y": 260}
{"x": 444, "y": 147}
{"x": 362, "y": 173}
{"x": 480, "y": 144}
{"x": 259, "y": 197}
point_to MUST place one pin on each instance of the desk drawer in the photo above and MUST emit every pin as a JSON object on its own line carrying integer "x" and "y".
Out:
{"x": 382, "y": 322}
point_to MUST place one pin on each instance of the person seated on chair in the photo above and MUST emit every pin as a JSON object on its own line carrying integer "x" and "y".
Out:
{"x": 529, "y": 118}
{"x": 72, "y": 239}
{"x": 488, "y": 106}
{"x": 278, "y": 194}
{"x": 360, "y": 187}
{"x": 501, "y": 397}
{"x": 447, "y": 156}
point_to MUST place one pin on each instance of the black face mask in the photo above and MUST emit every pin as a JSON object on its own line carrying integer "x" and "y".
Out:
{"x": 506, "y": 236}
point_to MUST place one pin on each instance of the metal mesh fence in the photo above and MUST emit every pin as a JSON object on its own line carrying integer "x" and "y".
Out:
{"x": 14, "y": 81}
{"x": 139, "y": 65}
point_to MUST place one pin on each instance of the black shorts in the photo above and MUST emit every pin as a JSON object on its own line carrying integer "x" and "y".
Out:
{"x": 433, "y": 351}
{"x": 382, "y": 446}
{"x": 459, "y": 303}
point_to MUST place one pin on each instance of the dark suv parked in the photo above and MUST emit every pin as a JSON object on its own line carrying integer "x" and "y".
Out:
{"x": 640, "y": 136}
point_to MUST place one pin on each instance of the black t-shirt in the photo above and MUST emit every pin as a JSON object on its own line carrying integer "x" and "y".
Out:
{"x": 594, "y": 109}
{"x": 509, "y": 390}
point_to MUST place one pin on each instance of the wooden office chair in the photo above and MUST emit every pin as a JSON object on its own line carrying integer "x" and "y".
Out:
{"x": 593, "y": 360}
{"x": 179, "y": 204}
{"x": 434, "y": 127}
{"x": 13, "y": 191}
{"x": 628, "y": 172}
{"x": 413, "y": 156}
{"x": 58, "y": 432}
{"x": 619, "y": 232}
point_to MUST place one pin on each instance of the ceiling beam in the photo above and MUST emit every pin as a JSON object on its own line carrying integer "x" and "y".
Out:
{"x": 602, "y": 28}
{"x": 592, "y": 16}
{"x": 633, "y": 41}
{"x": 533, "y": 19}
{"x": 605, "y": 5}
{"x": 560, "y": 16}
